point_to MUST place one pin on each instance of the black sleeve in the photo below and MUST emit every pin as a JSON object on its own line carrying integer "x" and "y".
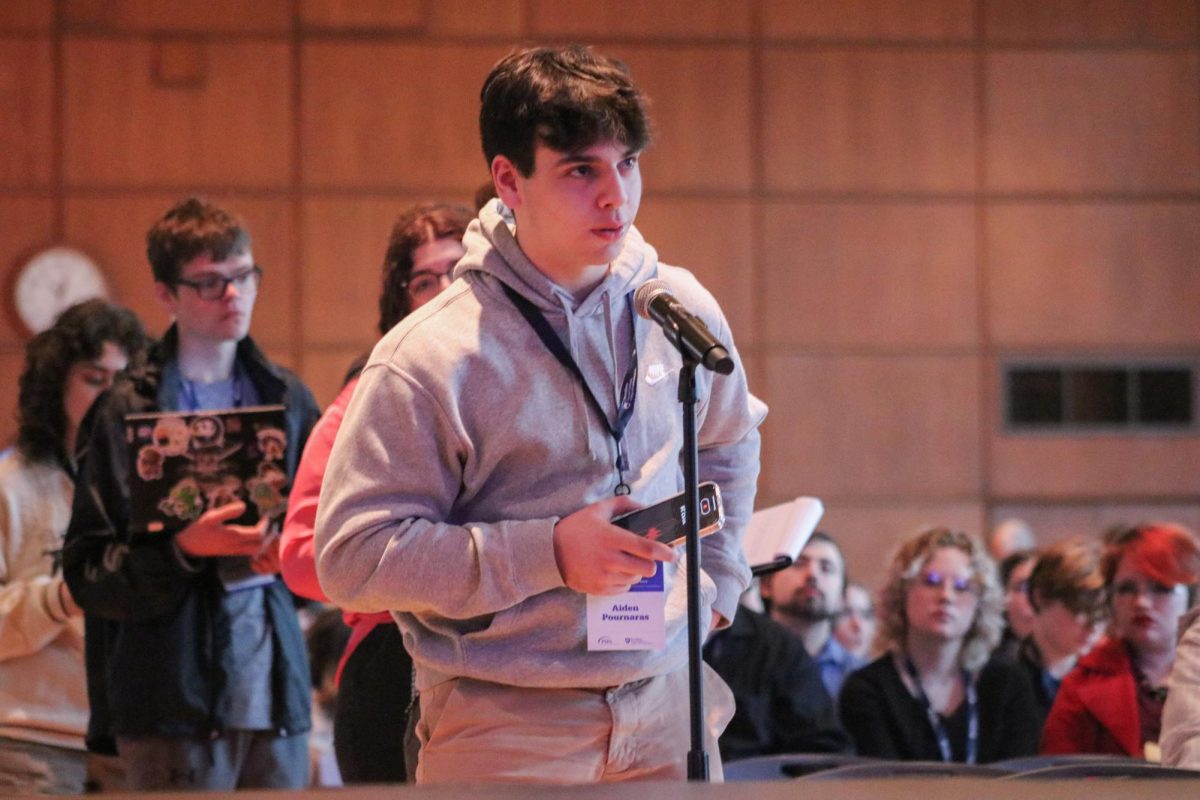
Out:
{"x": 864, "y": 710}
{"x": 807, "y": 721}
{"x": 1019, "y": 729}
{"x": 111, "y": 573}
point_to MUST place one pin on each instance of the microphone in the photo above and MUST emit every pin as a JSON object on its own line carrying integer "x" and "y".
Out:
{"x": 685, "y": 330}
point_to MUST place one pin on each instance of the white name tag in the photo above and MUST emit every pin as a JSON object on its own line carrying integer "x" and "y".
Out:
{"x": 634, "y": 620}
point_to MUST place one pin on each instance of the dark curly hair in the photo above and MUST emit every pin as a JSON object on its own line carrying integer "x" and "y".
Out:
{"x": 418, "y": 225}
{"x": 78, "y": 335}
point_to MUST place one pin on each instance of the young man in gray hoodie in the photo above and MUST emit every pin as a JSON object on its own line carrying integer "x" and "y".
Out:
{"x": 472, "y": 487}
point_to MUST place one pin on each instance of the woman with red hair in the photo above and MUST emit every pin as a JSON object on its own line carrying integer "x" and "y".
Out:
{"x": 1112, "y": 701}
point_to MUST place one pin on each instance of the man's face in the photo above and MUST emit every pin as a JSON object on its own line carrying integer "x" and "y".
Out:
{"x": 224, "y": 319}
{"x": 574, "y": 210}
{"x": 812, "y": 587}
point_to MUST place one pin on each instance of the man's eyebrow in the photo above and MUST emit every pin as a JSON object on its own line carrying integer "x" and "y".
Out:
{"x": 583, "y": 158}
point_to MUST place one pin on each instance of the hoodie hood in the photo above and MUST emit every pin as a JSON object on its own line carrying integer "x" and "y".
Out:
{"x": 492, "y": 249}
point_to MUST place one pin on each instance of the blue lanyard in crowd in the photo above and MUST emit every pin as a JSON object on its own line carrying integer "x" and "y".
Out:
{"x": 628, "y": 385}
{"x": 939, "y": 726}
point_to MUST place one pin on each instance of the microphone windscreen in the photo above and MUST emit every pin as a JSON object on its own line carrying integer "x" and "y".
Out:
{"x": 646, "y": 294}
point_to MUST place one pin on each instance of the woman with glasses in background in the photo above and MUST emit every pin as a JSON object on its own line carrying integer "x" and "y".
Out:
{"x": 1112, "y": 702}
{"x": 935, "y": 694}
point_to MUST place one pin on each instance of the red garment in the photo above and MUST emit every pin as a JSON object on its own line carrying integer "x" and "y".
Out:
{"x": 1096, "y": 710}
{"x": 297, "y": 557}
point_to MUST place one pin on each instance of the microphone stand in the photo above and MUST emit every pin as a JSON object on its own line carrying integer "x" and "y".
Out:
{"x": 697, "y": 760}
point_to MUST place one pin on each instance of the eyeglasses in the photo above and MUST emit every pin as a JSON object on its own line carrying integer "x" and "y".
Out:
{"x": 426, "y": 283}
{"x": 1131, "y": 589}
{"x": 933, "y": 579}
{"x": 212, "y": 286}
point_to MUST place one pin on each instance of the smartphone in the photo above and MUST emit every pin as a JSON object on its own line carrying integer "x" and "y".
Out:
{"x": 666, "y": 521}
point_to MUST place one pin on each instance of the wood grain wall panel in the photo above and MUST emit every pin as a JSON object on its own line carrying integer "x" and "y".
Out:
{"x": 113, "y": 231}
{"x": 869, "y": 20}
{"x": 698, "y": 144}
{"x": 869, "y": 534}
{"x": 634, "y": 19}
{"x": 876, "y": 275}
{"x": 26, "y": 226}
{"x": 12, "y": 361}
{"x": 877, "y": 120}
{"x": 26, "y": 15}
{"x": 712, "y": 238}
{"x": 480, "y": 19}
{"x": 1097, "y": 466}
{"x": 27, "y": 100}
{"x": 1091, "y": 21}
{"x": 1093, "y": 276}
{"x": 865, "y": 426}
{"x": 375, "y": 15}
{"x": 344, "y": 243}
{"x": 1093, "y": 122}
{"x": 179, "y": 16}
{"x": 369, "y": 121}
{"x": 229, "y": 128}
{"x": 324, "y": 369}
{"x": 1055, "y": 523}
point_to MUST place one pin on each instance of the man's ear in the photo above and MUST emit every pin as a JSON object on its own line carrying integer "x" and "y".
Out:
{"x": 507, "y": 180}
{"x": 165, "y": 295}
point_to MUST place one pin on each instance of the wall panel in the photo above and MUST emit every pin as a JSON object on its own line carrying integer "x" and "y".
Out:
{"x": 917, "y": 259}
{"x": 366, "y": 124}
{"x": 713, "y": 239}
{"x": 1091, "y": 21}
{"x": 11, "y": 364}
{"x": 27, "y": 15}
{"x": 1094, "y": 276}
{"x": 869, "y": 120}
{"x": 664, "y": 20}
{"x": 698, "y": 144}
{"x": 323, "y": 370}
{"x": 869, "y": 20}
{"x": 177, "y": 113}
{"x": 1093, "y": 122}
{"x": 27, "y": 100}
{"x": 866, "y": 426}
{"x": 179, "y": 16}
{"x": 26, "y": 226}
{"x": 370, "y": 15}
{"x": 1054, "y": 523}
{"x": 112, "y": 229}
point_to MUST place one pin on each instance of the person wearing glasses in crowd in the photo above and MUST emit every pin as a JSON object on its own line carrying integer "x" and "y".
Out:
{"x": 855, "y": 626}
{"x": 1066, "y": 594}
{"x": 935, "y": 694}
{"x": 1015, "y": 570}
{"x": 375, "y": 673}
{"x": 199, "y": 682}
{"x": 1112, "y": 702}
{"x": 43, "y": 687}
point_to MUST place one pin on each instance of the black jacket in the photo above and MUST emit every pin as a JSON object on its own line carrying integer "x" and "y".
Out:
{"x": 154, "y": 667}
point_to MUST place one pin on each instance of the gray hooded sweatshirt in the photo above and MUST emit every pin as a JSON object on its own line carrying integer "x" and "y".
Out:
{"x": 466, "y": 441}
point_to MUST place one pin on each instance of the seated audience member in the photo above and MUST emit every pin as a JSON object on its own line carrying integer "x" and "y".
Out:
{"x": 1112, "y": 701}
{"x": 1066, "y": 591}
{"x": 1018, "y": 613}
{"x": 375, "y": 676}
{"x": 1180, "y": 739}
{"x": 806, "y": 598}
{"x": 782, "y": 705}
{"x": 855, "y": 627}
{"x": 43, "y": 685}
{"x": 1010, "y": 536}
{"x": 934, "y": 694}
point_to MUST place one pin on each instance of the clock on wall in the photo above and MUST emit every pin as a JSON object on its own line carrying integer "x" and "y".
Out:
{"x": 53, "y": 281}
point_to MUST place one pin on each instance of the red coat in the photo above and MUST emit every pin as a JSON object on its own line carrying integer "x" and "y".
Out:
{"x": 1096, "y": 709}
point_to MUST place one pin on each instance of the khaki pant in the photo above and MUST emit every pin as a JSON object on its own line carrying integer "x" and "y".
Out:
{"x": 475, "y": 731}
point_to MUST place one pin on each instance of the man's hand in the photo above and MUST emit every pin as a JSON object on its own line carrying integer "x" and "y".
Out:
{"x": 209, "y": 535}
{"x": 596, "y": 557}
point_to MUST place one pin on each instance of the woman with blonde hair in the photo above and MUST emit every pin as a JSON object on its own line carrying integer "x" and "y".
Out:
{"x": 936, "y": 694}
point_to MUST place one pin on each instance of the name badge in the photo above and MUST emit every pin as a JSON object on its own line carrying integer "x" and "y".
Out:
{"x": 634, "y": 620}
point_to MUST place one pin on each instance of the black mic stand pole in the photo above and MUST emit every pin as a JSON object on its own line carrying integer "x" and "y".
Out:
{"x": 697, "y": 762}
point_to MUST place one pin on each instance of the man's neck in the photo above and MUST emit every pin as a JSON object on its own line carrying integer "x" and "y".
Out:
{"x": 813, "y": 633}
{"x": 204, "y": 361}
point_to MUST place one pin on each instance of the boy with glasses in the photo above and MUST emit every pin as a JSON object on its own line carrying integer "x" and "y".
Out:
{"x": 472, "y": 486}
{"x": 198, "y": 682}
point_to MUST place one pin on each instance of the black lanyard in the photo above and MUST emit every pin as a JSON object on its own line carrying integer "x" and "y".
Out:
{"x": 935, "y": 721}
{"x": 628, "y": 385}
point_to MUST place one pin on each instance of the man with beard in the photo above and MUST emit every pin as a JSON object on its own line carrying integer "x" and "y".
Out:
{"x": 806, "y": 598}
